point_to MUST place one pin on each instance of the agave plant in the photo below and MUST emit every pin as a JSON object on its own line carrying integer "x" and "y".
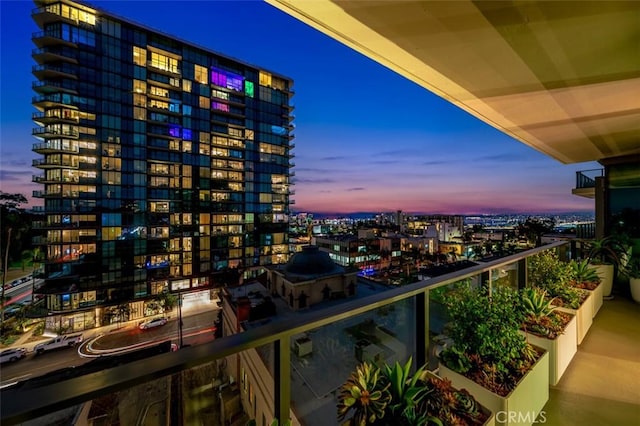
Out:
{"x": 583, "y": 272}
{"x": 364, "y": 393}
{"x": 535, "y": 302}
{"x": 406, "y": 390}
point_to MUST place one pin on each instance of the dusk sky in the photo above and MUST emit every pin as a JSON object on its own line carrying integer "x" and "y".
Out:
{"x": 367, "y": 139}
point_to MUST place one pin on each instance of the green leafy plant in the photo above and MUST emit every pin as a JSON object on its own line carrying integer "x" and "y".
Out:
{"x": 606, "y": 250}
{"x": 546, "y": 271}
{"x": 584, "y": 275}
{"x": 364, "y": 393}
{"x": 632, "y": 270}
{"x": 487, "y": 346}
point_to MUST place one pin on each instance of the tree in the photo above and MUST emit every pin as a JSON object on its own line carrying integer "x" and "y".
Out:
{"x": 534, "y": 228}
{"x": 19, "y": 221}
{"x": 167, "y": 300}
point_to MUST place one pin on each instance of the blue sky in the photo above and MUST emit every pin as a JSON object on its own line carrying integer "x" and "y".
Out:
{"x": 366, "y": 138}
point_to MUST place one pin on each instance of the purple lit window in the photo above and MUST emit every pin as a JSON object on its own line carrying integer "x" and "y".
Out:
{"x": 186, "y": 134}
{"x": 220, "y": 106}
{"x": 174, "y": 130}
{"x": 227, "y": 79}
{"x": 218, "y": 77}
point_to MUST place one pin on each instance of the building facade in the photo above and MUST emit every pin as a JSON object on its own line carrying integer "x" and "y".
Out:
{"x": 164, "y": 165}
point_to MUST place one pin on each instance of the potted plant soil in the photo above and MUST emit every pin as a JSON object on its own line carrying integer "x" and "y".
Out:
{"x": 489, "y": 356}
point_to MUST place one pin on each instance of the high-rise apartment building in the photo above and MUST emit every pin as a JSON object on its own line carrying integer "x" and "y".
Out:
{"x": 164, "y": 165}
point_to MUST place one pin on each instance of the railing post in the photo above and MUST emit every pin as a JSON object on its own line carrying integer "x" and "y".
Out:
{"x": 422, "y": 328}
{"x": 282, "y": 382}
{"x": 522, "y": 273}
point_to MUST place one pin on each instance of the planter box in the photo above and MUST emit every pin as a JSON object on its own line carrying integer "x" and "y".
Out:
{"x": 521, "y": 406}
{"x": 561, "y": 350}
{"x": 605, "y": 272}
{"x": 491, "y": 420}
{"x": 597, "y": 297}
{"x": 584, "y": 316}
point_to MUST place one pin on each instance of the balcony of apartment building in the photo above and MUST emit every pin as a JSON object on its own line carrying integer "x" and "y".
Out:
{"x": 51, "y": 38}
{"x": 260, "y": 368}
{"x": 53, "y": 71}
{"x": 58, "y": 115}
{"x": 586, "y": 182}
{"x": 50, "y": 86}
{"x": 49, "y": 54}
{"x": 49, "y": 13}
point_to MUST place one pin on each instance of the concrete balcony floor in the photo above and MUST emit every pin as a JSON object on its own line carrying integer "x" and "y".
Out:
{"x": 601, "y": 386}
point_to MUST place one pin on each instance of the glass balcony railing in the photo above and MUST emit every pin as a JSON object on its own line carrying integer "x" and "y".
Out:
{"x": 265, "y": 364}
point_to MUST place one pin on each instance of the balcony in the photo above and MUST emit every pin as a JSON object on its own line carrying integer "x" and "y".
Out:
{"x": 163, "y": 70}
{"x": 39, "y": 240}
{"x": 54, "y": 54}
{"x": 52, "y": 132}
{"x": 55, "y": 116}
{"x": 48, "y": 86}
{"x": 47, "y": 71}
{"x": 577, "y": 397}
{"x": 44, "y": 163}
{"x": 49, "y": 38}
{"x": 586, "y": 182}
{"x": 53, "y": 100}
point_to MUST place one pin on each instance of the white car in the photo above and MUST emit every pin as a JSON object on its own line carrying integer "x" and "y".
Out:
{"x": 11, "y": 355}
{"x": 156, "y": 322}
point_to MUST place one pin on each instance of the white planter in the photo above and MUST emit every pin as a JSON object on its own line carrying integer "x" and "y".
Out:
{"x": 634, "y": 283}
{"x": 521, "y": 406}
{"x": 584, "y": 316}
{"x": 561, "y": 350}
{"x": 605, "y": 272}
{"x": 597, "y": 297}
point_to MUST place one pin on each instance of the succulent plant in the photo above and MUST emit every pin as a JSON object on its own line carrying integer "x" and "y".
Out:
{"x": 364, "y": 393}
{"x": 535, "y": 302}
{"x": 584, "y": 272}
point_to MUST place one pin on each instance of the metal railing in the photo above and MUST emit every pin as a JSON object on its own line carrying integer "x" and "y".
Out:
{"x": 587, "y": 178}
{"x": 18, "y": 406}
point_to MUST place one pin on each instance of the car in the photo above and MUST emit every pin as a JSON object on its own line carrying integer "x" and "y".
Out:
{"x": 15, "y": 283}
{"x": 13, "y": 354}
{"x": 155, "y": 322}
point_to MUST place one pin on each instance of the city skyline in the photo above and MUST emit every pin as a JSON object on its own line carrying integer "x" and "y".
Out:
{"x": 366, "y": 138}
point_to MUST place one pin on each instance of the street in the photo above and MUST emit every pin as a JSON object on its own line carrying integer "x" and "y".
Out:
{"x": 197, "y": 329}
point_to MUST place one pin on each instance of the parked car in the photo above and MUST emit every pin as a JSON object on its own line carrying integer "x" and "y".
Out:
{"x": 12, "y": 355}
{"x": 155, "y": 322}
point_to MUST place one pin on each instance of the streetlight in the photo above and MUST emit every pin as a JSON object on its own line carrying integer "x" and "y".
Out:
{"x": 180, "y": 319}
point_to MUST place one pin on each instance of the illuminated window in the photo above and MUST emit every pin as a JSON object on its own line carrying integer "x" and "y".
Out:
{"x": 220, "y": 106}
{"x": 200, "y": 74}
{"x": 265, "y": 78}
{"x": 164, "y": 62}
{"x": 140, "y": 87}
{"x": 203, "y": 102}
{"x": 186, "y": 85}
{"x": 139, "y": 56}
{"x": 158, "y": 91}
{"x": 220, "y": 94}
{"x": 227, "y": 79}
{"x": 248, "y": 88}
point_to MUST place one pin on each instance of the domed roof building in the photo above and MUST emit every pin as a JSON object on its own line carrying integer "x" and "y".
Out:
{"x": 310, "y": 277}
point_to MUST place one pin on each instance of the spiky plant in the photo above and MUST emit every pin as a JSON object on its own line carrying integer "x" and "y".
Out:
{"x": 535, "y": 302}
{"x": 583, "y": 272}
{"x": 406, "y": 391}
{"x": 364, "y": 393}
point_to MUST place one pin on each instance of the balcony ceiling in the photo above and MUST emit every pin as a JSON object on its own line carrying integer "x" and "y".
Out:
{"x": 560, "y": 76}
